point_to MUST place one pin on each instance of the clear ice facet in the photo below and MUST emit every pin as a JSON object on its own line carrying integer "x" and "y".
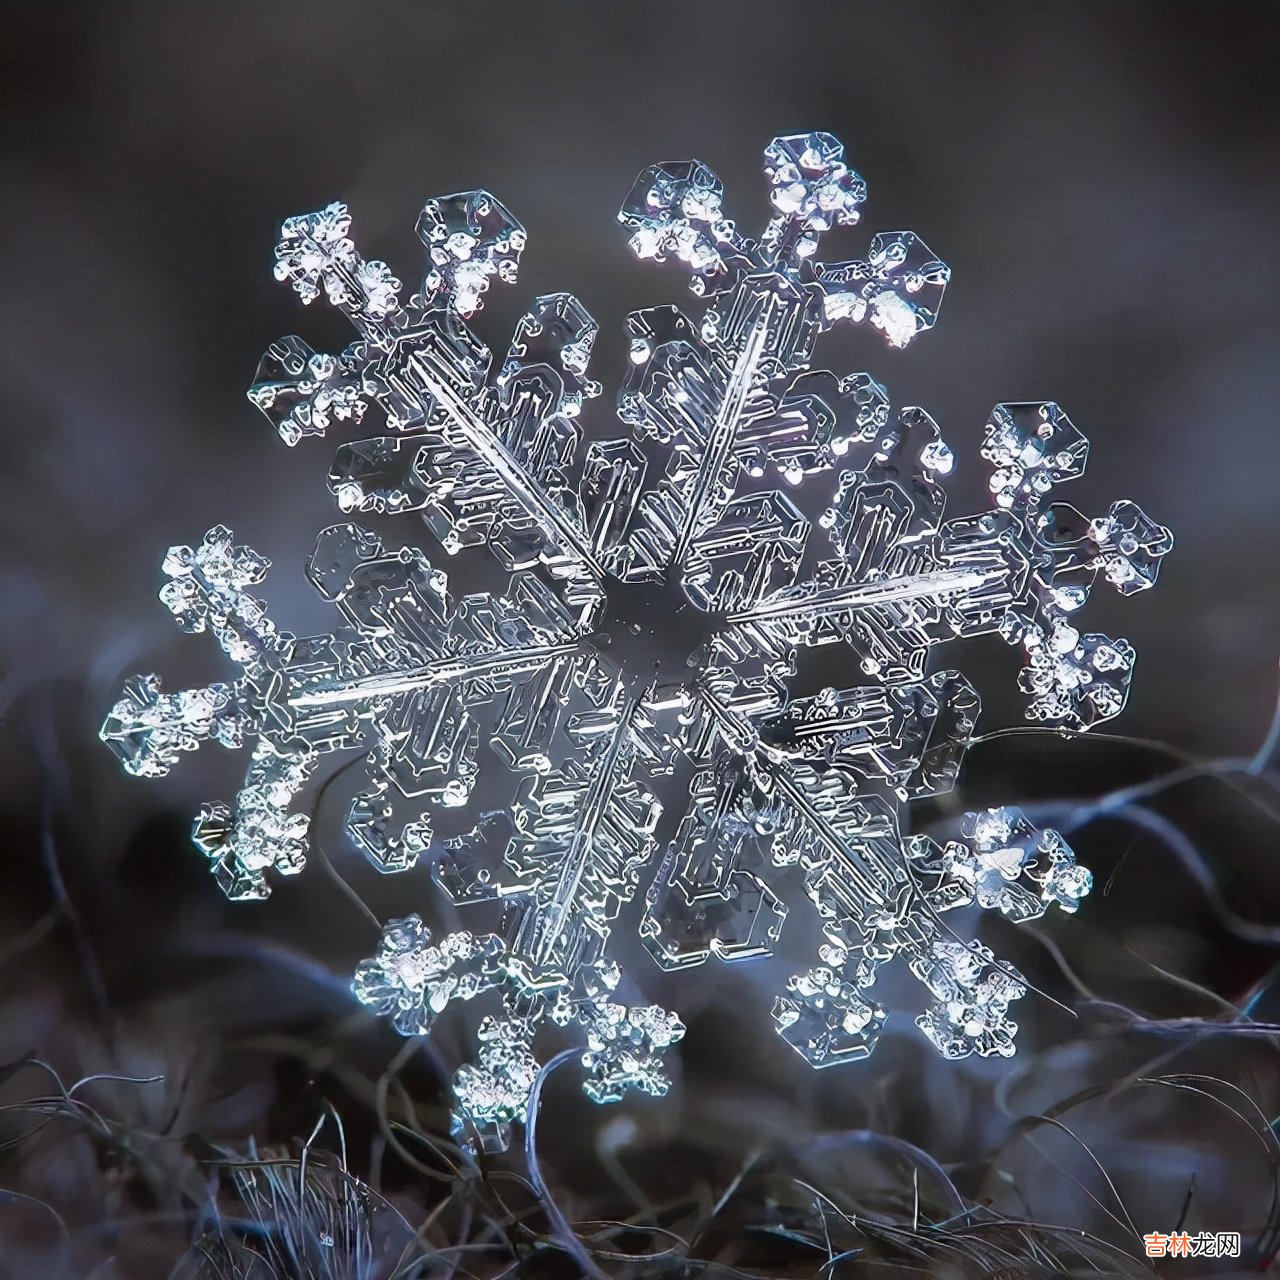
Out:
{"x": 522, "y": 742}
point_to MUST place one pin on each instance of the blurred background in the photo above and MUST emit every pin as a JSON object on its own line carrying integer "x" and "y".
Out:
{"x": 1102, "y": 179}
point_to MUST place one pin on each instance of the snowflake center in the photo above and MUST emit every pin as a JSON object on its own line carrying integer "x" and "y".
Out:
{"x": 651, "y": 630}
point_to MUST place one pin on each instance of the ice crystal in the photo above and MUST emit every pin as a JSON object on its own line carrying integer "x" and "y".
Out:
{"x": 519, "y": 740}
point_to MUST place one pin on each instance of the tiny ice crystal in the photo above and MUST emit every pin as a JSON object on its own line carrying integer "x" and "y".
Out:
{"x": 534, "y": 693}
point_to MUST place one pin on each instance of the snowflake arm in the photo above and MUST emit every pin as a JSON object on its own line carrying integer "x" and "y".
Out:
{"x": 733, "y": 392}
{"x": 902, "y": 581}
{"x": 488, "y": 456}
{"x": 411, "y": 981}
{"x": 396, "y": 680}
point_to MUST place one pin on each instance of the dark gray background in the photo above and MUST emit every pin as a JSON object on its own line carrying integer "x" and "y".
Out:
{"x": 1102, "y": 178}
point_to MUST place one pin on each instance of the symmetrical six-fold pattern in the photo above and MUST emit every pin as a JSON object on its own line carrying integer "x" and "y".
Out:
{"x": 522, "y": 685}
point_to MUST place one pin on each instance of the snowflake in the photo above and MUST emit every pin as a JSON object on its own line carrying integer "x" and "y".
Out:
{"x": 543, "y": 689}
